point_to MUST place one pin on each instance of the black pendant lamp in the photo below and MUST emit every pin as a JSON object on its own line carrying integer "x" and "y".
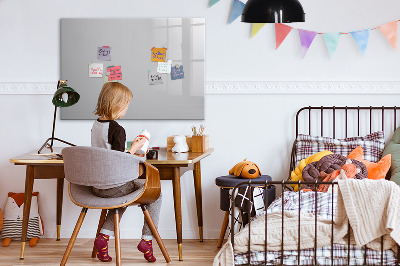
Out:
{"x": 273, "y": 11}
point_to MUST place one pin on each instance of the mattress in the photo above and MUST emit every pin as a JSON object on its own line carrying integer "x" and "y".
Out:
{"x": 322, "y": 204}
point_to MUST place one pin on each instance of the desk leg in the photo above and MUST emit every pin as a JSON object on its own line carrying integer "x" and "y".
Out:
{"x": 27, "y": 206}
{"x": 60, "y": 190}
{"x": 176, "y": 182}
{"x": 197, "y": 189}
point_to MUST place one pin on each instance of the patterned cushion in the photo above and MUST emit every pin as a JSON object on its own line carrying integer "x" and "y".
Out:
{"x": 372, "y": 144}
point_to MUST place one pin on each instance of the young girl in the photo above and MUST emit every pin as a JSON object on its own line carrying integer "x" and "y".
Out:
{"x": 113, "y": 102}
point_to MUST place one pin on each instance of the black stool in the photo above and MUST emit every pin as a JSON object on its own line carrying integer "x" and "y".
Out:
{"x": 226, "y": 183}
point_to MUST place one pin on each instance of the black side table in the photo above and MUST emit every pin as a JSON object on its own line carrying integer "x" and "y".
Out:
{"x": 226, "y": 183}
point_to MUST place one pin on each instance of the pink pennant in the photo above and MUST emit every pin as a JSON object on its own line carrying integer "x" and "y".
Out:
{"x": 389, "y": 30}
{"x": 306, "y": 39}
{"x": 281, "y": 31}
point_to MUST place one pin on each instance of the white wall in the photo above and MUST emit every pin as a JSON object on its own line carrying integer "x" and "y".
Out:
{"x": 259, "y": 127}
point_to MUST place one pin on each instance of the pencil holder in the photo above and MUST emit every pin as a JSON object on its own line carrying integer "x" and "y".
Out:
{"x": 200, "y": 143}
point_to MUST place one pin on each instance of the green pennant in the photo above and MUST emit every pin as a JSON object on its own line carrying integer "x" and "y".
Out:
{"x": 213, "y": 2}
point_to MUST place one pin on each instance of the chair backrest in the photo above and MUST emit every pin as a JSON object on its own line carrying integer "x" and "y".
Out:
{"x": 92, "y": 166}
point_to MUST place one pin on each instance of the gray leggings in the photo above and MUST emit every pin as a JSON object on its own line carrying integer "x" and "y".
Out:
{"x": 154, "y": 208}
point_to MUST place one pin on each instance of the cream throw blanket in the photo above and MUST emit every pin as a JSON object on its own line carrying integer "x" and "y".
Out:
{"x": 371, "y": 206}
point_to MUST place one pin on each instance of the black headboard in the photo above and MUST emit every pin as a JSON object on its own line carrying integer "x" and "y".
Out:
{"x": 343, "y": 122}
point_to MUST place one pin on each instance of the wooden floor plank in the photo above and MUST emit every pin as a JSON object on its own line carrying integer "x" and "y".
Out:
{"x": 49, "y": 252}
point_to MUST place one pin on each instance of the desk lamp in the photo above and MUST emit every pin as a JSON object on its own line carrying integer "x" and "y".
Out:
{"x": 273, "y": 11}
{"x": 64, "y": 96}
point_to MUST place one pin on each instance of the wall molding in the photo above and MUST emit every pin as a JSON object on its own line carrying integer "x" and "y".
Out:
{"x": 248, "y": 87}
{"x": 303, "y": 87}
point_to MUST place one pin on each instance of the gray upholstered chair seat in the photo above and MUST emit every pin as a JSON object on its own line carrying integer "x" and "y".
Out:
{"x": 83, "y": 195}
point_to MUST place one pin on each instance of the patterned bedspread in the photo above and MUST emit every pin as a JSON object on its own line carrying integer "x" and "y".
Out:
{"x": 306, "y": 202}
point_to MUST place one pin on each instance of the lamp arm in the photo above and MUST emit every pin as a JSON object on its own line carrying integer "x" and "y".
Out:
{"x": 54, "y": 126}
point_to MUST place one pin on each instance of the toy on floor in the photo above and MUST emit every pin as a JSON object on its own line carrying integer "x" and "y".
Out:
{"x": 245, "y": 169}
{"x": 13, "y": 215}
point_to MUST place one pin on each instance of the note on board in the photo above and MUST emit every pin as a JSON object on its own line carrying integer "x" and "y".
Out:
{"x": 177, "y": 72}
{"x": 164, "y": 67}
{"x": 104, "y": 53}
{"x": 95, "y": 70}
{"x": 155, "y": 78}
{"x": 158, "y": 54}
{"x": 115, "y": 73}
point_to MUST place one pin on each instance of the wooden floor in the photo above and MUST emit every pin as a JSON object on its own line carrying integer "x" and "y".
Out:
{"x": 50, "y": 252}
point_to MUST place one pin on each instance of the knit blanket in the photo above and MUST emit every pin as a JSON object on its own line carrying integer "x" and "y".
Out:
{"x": 371, "y": 207}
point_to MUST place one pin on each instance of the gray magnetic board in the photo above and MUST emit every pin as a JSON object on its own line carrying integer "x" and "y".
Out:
{"x": 128, "y": 43}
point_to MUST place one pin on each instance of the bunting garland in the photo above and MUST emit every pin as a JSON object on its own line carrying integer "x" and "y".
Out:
{"x": 389, "y": 30}
{"x": 256, "y": 27}
{"x": 332, "y": 41}
{"x": 361, "y": 37}
{"x": 281, "y": 31}
{"x": 306, "y": 39}
{"x": 213, "y": 2}
{"x": 237, "y": 9}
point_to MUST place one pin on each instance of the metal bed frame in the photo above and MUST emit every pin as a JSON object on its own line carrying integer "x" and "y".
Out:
{"x": 284, "y": 183}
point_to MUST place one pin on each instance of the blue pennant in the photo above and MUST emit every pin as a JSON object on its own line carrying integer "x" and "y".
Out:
{"x": 237, "y": 9}
{"x": 361, "y": 38}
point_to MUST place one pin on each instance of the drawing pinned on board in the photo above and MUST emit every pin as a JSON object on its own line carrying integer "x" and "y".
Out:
{"x": 158, "y": 54}
{"x": 164, "y": 67}
{"x": 115, "y": 73}
{"x": 177, "y": 72}
{"x": 155, "y": 78}
{"x": 104, "y": 53}
{"x": 95, "y": 70}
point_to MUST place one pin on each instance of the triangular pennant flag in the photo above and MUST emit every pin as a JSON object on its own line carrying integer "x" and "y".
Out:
{"x": 306, "y": 39}
{"x": 281, "y": 31}
{"x": 361, "y": 37}
{"x": 390, "y": 32}
{"x": 237, "y": 9}
{"x": 213, "y": 2}
{"x": 256, "y": 27}
{"x": 332, "y": 41}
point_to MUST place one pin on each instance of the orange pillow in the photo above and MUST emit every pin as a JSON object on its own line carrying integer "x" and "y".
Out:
{"x": 375, "y": 170}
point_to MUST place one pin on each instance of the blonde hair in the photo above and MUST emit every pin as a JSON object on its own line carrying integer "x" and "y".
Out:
{"x": 113, "y": 98}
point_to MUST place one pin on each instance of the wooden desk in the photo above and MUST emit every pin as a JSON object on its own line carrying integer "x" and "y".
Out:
{"x": 171, "y": 167}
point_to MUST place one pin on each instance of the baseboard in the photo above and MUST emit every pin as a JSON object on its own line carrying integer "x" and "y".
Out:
{"x": 247, "y": 87}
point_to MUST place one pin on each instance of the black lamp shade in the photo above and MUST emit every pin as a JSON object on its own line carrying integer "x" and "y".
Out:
{"x": 273, "y": 11}
{"x": 59, "y": 101}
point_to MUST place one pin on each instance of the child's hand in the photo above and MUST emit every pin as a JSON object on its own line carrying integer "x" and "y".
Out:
{"x": 137, "y": 144}
{"x": 143, "y": 155}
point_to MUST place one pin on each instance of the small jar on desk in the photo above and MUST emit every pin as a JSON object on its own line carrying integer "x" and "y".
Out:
{"x": 228, "y": 182}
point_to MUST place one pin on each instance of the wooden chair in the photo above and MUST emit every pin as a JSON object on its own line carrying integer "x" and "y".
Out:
{"x": 85, "y": 167}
